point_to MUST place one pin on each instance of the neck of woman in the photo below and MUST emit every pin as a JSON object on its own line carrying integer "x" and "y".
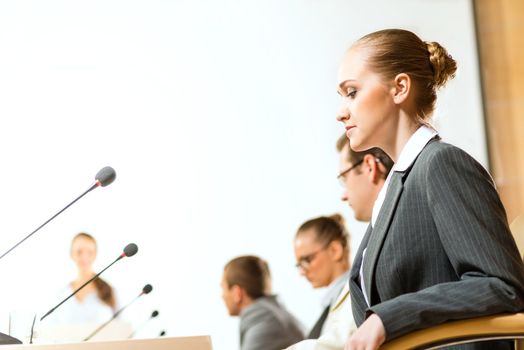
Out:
{"x": 405, "y": 128}
{"x": 339, "y": 270}
{"x": 84, "y": 276}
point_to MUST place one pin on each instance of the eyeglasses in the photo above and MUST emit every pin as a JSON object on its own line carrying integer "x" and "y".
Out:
{"x": 342, "y": 176}
{"x": 305, "y": 261}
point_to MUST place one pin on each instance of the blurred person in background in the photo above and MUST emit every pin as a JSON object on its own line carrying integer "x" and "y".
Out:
{"x": 362, "y": 175}
{"x": 264, "y": 322}
{"x": 96, "y": 302}
{"x": 322, "y": 252}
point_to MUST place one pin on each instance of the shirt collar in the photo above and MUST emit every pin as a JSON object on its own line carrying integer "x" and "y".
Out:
{"x": 334, "y": 290}
{"x": 409, "y": 153}
{"x": 413, "y": 147}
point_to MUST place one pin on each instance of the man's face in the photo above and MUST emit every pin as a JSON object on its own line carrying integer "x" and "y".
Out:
{"x": 230, "y": 297}
{"x": 358, "y": 186}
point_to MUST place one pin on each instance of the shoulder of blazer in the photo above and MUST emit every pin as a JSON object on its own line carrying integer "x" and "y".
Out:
{"x": 437, "y": 151}
{"x": 436, "y": 148}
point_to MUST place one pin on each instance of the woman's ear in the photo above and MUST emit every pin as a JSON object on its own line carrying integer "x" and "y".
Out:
{"x": 336, "y": 250}
{"x": 401, "y": 88}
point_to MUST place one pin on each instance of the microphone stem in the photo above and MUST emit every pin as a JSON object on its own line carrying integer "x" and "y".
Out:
{"x": 54, "y": 216}
{"x": 115, "y": 315}
{"x": 82, "y": 286}
{"x": 137, "y": 329}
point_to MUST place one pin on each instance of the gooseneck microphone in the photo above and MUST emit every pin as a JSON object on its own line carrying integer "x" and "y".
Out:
{"x": 103, "y": 178}
{"x": 130, "y": 250}
{"x": 153, "y": 315}
{"x": 145, "y": 290}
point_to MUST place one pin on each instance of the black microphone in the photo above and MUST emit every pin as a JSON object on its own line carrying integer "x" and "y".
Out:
{"x": 103, "y": 178}
{"x": 145, "y": 290}
{"x": 153, "y": 315}
{"x": 130, "y": 250}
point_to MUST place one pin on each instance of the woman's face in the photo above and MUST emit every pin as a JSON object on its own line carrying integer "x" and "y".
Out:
{"x": 367, "y": 108}
{"x": 83, "y": 253}
{"x": 314, "y": 259}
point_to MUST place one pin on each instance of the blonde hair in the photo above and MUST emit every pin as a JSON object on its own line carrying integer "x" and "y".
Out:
{"x": 327, "y": 229}
{"x": 428, "y": 64}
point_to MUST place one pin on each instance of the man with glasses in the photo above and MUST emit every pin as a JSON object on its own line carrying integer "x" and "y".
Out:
{"x": 322, "y": 245}
{"x": 362, "y": 175}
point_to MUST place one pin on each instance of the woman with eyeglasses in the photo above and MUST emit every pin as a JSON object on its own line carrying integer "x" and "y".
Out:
{"x": 322, "y": 252}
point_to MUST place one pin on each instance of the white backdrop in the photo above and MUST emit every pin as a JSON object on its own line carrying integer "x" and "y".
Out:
{"x": 219, "y": 118}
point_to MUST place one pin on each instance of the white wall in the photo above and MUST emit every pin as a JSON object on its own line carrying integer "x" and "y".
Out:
{"x": 218, "y": 117}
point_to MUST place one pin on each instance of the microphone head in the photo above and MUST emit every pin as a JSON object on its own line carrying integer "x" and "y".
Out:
{"x": 154, "y": 314}
{"x": 130, "y": 249}
{"x": 147, "y": 289}
{"x": 105, "y": 176}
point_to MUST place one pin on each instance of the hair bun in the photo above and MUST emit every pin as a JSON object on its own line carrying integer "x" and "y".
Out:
{"x": 338, "y": 218}
{"x": 443, "y": 65}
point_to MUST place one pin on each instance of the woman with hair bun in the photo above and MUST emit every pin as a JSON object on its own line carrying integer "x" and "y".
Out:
{"x": 438, "y": 247}
{"x": 322, "y": 253}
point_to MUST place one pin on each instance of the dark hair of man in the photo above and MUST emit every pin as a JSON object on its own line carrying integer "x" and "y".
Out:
{"x": 355, "y": 157}
{"x": 250, "y": 273}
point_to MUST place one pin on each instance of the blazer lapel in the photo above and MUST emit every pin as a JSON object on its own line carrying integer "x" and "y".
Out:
{"x": 355, "y": 268}
{"x": 358, "y": 303}
{"x": 379, "y": 231}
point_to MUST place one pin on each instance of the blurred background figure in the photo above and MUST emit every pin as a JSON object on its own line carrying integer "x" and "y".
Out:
{"x": 96, "y": 302}
{"x": 322, "y": 252}
{"x": 362, "y": 175}
{"x": 264, "y": 322}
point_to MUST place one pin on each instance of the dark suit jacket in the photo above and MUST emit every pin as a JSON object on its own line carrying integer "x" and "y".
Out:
{"x": 441, "y": 248}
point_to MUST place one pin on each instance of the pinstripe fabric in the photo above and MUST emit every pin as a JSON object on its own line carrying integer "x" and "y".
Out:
{"x": 441, "y": 249}
{"x": 358, "y": 303}
{"x": 379, "y": 231}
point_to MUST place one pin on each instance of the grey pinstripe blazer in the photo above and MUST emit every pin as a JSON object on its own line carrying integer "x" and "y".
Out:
{"x": 440, "y": 250}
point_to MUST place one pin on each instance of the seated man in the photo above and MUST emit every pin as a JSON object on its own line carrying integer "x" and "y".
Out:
{"x": 264, "y": 323}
